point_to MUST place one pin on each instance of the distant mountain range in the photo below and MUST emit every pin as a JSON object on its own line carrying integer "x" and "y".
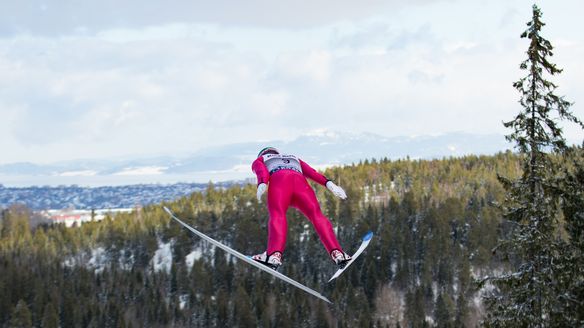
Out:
{"x": 232, "y": 162}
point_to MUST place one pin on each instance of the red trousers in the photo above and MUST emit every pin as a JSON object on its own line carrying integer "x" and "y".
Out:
{"x": 289, "y": 188}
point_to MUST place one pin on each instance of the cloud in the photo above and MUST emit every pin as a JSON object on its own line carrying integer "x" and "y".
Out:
{"x": 510, "y": 16}
{"x": 139, "y": 96}
{"x": 421, "y": 35}
{"x": 61, "y": 17}
{"x": 417, "y": 76}
{"x": 375, "y": 33}
{"x": 124, "y": 86}
{"x": 311, "y": 67}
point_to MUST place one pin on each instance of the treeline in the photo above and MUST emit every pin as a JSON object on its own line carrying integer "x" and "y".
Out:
{"x": 435, "y": 225}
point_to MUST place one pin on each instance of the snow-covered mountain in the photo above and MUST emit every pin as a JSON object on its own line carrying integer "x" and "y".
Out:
{"x": 232, "y": 162}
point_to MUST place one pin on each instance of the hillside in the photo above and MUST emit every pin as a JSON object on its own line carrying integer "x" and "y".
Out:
{"x": 434, "y": 222}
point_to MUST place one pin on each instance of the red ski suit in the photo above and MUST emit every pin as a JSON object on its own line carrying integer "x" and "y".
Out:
{"x": 287, "y": 186}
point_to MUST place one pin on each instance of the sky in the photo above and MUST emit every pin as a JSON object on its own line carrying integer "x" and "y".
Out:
{"x": 105, "y": 79}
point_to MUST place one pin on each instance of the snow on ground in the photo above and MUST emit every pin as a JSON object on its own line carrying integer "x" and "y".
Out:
{"x": 144, "y": 170}
{"x": 430, "y": 320}
{"x": 162, "y": 259}
{"x": 230, "y": 258}
{"x": 98, "y": 260}
{"x": 126, "y": 260}
{"x": 80, "y": 173}
{"x": 193, "y": 256}
{"x": 70, "y": 262}
{"x": 183, "y": 301}
{"x": 305, "y": 234}
{"x": 393, "y": 268}
{"x": 488, "y": 287}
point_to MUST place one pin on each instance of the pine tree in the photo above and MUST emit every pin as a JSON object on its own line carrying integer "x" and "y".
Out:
{"x": 50, "y": 317}
{"x": 527, "y": 297}
{"x": 21, "y": 316}
{"x": 243, "y": 312}
{"x": 444, "y": 311}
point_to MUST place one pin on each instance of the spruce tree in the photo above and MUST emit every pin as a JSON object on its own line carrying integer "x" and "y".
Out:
{"x": 526, "y": 296}
{"x": 443, "y": 312}
{"x": 21, "y": 316}
{"x": 50, "y": 317}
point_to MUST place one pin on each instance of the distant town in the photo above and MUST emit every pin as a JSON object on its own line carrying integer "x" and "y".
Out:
{"x": 84, "y": 198}
{"x": 70, "y": 217}
{"x": 74, "y": 205}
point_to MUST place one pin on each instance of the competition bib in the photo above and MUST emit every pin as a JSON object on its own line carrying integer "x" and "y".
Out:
{"x": 277, "y": 162}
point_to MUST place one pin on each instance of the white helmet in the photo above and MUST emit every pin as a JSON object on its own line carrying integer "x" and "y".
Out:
{"x": 268, "y": 150}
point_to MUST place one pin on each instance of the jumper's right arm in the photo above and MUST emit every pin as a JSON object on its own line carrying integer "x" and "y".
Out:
{"x": 261, "y": 171}
{"x": 259, "y": 168}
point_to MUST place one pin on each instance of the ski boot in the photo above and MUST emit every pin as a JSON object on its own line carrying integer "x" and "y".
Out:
{"x": 273, "y": 261}
{"x": 341, "y": 258}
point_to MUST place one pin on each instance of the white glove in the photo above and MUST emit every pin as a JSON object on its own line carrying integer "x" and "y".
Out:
{"x": 261, "y": 190}
{"x": 336, "y": 190}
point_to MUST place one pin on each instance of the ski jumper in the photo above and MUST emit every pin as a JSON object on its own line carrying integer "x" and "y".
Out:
{"x": 286, "y": 177}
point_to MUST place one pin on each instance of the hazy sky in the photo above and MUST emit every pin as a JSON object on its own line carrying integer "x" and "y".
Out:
{"x": 97, "y": 79}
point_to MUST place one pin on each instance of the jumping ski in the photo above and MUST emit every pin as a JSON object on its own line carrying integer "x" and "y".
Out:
{"x": 247, "y": 259}
{"x": 365, "y": 242}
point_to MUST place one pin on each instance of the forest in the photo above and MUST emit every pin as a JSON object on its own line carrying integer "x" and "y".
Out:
{"x": 436, "y": 223}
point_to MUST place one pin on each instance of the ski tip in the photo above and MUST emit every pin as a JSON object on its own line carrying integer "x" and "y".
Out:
{"x": 167, "y": 210}
{"x": 368, "y": 236}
